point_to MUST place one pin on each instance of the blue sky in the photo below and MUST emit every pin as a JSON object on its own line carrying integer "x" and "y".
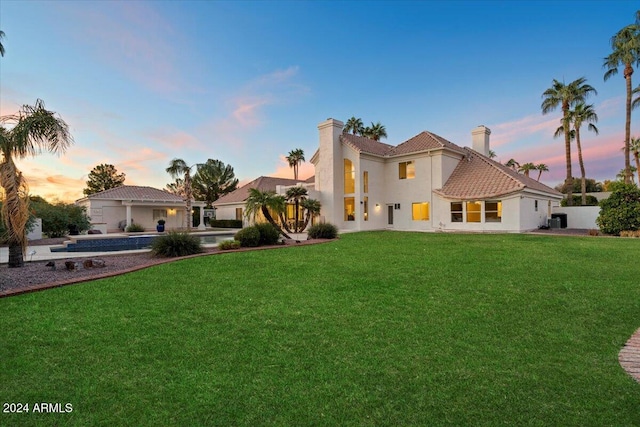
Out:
{"x": 141, "y": 83}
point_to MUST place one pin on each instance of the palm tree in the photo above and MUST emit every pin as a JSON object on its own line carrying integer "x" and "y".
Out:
{"x": 354, "y": 125}
{"x": 635, "y": 149}
{"x": 376, "y": 131}
{"x": 492, "y": 154}
{"x": 294, "y": 158}
{"x": 626, "y": 52}
{"x": 265, "y": 202}
{"x": 566, "y": 96}
{"x": 176, "y": 187}
{"x": 1, "y": 46}
{"x": 296, "y": 194}
{"x": 34, "y": 130}
{"x": 622, "y": 174}
{"x": 513, "y": 164}
{"x": 312, "y": 208}
{"x": 178, "y": 168}
{"x": 583, "y": 114}
{"x": 541, "y": 168}
{"x": 526, "y": 168}
{"x": 213, "y": 179}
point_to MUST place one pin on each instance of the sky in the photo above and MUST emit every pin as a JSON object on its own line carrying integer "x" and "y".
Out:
{"x": 143, "y": 82}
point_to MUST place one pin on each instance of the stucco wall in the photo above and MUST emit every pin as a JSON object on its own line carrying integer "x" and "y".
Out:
{"x": 581, "y": 217}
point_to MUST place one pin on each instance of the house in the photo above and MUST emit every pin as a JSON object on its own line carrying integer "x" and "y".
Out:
{"x": 112, "y": 210}
{"x": 232, "y": 205}
{"x": 425, "y": 183}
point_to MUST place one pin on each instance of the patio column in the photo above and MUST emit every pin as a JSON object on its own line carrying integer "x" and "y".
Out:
{"x": 201, "y": 226}
{"x": 128, "y": 214}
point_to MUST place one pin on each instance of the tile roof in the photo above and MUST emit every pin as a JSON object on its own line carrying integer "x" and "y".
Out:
{"x": 422, "y": 142}
{"x": 137, "y": 193}
{"x": 263, "y": 183}
{"x": 478, "y": 177}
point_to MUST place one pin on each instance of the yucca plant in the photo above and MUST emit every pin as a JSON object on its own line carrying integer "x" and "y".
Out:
{"x": 174, "y": 244}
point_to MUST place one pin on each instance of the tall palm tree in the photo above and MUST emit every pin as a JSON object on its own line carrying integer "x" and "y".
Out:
{"x": 296, "y": 194}
{"x": 580, "y": 114}
{"x": 354, "y": 125}
{"x": 541, "y": 168}
{"x": 376, "y": 131}
{"x": 635, "y": 149}
{"x": 34, "y": 130}
{"x": 625, "y": 45}
{"x": 265, "y": 202}
{"x": 526, "y": 168}
{"x": 566, "y": 95}
{"x": 179, "y": 168}
{"x": 1, "y": 46}
{"x": 492, "y": 154}
{"x": 295, "y": 158}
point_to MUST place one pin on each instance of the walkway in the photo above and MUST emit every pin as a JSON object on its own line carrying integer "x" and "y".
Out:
{"x": 629, "y": 356}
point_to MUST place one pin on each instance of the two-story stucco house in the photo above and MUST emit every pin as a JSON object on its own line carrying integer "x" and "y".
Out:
{"x": 426, "y": 183}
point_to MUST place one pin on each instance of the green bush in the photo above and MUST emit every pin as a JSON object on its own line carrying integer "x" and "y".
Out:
{"x": 323, "y": 231}
{"x": 268, "y": 234}
{"x": 59, "y": 218}
{"x": 226, "y": 245}
{"x": 577, "y": 200}
{"x": 248, "y": 237}
{"x": 621, "y": 211}
{"x": 134, "y": 228}
{"x": 225, "y": 223}
{"x": 175, "y": 244}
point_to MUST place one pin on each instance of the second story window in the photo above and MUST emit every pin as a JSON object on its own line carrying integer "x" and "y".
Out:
{"x": 407, "y": 170}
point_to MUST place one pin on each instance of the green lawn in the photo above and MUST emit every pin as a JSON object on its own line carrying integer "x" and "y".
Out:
{"x": 381, "y": 328}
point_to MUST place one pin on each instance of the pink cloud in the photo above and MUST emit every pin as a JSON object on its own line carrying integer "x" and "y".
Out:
{"x": 283, "y": 170}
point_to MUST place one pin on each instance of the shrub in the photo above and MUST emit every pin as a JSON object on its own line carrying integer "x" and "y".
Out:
{"x": 248, "y": 237}
{"x": 59, "y": 218}
{"x": 628, "y": 233}
{"x": 323, "y": 231}
{"x": 134, "y": 228}
{"x": 175, "y": 244}
{"x": 225, "y": 223}
{"x": 226, "y": 245}
{"x": 577, "y": 200}
{"x": 621, "y": 211}
{"x": 593, "y": 232}
{"x": 268, "y": 234}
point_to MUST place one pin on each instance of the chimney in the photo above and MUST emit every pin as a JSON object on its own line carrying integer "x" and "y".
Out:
{"x": 480, "y": 139}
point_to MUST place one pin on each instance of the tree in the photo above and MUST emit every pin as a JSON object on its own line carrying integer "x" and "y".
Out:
{"x": 623, "y": 174}
{"x": 265, "y": 202}
{"x": 580, "y": 114}
{"x": 103, "y": 177}
{"x": 492, "y": 154}
{"x": 295, "y": 158}
{"x": 376, "y": 131}
{"x": 1, "y": 45}
{"x": 58, "y": 218}
{"x": 541, "y": 168}
{"x": 634, "y": 146}
{"x": 213, "y": 179}
{"x": 296, "y": 194}
{"x": 526, "y": 168}
{"x": 593, "y": 186}
{"x": 312, "y": 208}
{"x": 566, "y": 96}
{"x": 176, "y": 187}
{"x": 178, "y": 168}
{"x": 625, "y": 46}
{"x": 354, "y": 125}
{"x": 513, "y": 164}
{"x": 34, "y": 130}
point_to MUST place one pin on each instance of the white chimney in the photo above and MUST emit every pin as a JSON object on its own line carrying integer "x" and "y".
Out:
{"x": 480, "y": 139}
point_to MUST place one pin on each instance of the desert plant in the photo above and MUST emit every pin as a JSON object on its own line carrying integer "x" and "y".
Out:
{"x": 248, "y": 237}
{"x": 134, "y": 228}
{"x": 174, "y": 244}
{"x": 228, "y": 245}
{"x": 620, "y": 211}
{"x": 268, "y": 234}
{"x": 323, "y": 231}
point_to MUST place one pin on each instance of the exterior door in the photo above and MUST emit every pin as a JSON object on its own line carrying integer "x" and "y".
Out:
{"x": 390, "y": 214}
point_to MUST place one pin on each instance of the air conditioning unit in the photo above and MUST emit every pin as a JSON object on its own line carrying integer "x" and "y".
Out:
{"x": 554, "y": 222}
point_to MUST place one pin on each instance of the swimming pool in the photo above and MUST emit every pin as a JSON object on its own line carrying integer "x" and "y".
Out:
{"x": 119, "y": 242}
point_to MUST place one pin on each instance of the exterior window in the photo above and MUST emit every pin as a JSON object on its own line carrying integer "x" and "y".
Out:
{"x": 349, "y": 177}
{"x": 365, "y": 181}
{"x": 456, "y": 211}
{"x": 493, "y": 211}
{"x": 159, "y": 214}
{"x": 407, "y": 170}
{"x": 349, "y": 209}
{"x": 536, "y": 206}
{"x": 239, "y": 214}
{"x": 420, "y": 211}
{"x": 366, "y": 208}
{"x": 474, "y": 210}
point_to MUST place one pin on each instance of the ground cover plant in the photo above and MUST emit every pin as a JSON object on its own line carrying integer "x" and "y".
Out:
{"x": 377, "y": 328}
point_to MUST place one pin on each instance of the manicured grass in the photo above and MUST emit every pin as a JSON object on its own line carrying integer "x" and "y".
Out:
{"x": 377, "y": 328}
